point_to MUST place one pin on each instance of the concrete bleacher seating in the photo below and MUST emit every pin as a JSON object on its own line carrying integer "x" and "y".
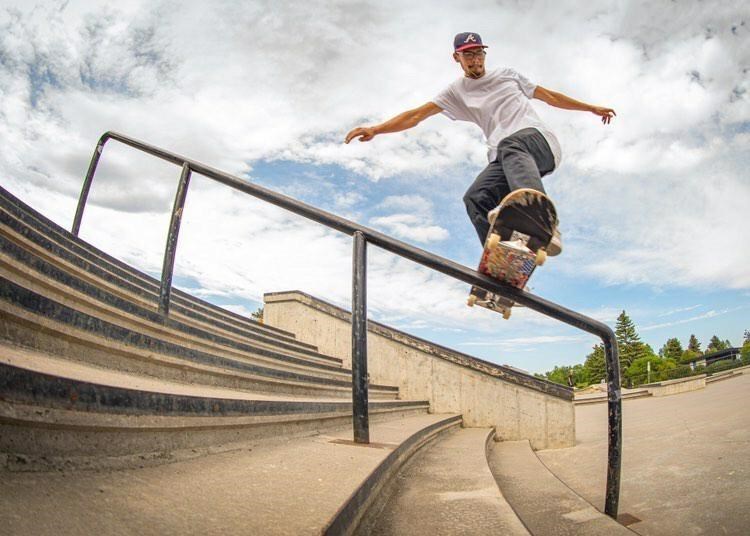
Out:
{"x": 202, "y": 421}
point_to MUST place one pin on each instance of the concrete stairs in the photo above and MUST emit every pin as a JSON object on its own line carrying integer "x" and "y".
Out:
{"x": 94, "y": 376}
{"x": 117, "y": 420}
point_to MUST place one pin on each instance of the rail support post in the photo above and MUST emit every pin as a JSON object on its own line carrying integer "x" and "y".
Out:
{"x": 359, "y": 341}
{"x": 165, "y": 291}
{"x": 614, "y": 410}
{"x": 87, "y": 185}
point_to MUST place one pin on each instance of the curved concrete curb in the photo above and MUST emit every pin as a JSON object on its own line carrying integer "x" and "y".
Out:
{"x": 351, "y": 513}
{"x": 544, "y": 503}
{"x": 448, "y": 488}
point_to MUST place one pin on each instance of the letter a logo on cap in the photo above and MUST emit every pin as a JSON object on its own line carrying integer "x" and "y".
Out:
{"x": 467, "y": 40}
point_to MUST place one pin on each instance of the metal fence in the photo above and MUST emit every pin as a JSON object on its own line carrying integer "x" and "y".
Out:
{"x": 362, "y": 236}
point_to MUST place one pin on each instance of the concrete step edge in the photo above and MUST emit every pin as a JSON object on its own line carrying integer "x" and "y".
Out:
{"x": 39, "y": 266}
{"x": 42, "y": 439}
{"x": 152, "y": 326}
{"x": 28, "y": 217}
{"x": 46, "y": 415}
{"x": 162, "y": 373}
{"x": 128, "y": 343}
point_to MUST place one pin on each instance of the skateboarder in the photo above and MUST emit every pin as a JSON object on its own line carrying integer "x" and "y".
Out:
{"x": 521, "y": 149}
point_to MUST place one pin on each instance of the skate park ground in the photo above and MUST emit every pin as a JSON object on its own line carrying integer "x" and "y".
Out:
{"x": 685, "y": 461}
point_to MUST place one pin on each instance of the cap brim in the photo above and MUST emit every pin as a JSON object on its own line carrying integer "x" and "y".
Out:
{"x": 465, "y": 47}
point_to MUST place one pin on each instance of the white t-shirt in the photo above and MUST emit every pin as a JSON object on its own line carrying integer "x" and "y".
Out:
{"x": 499, "y": 102}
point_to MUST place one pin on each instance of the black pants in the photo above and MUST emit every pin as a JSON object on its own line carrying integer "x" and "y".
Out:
{"x": 523, "y": 158}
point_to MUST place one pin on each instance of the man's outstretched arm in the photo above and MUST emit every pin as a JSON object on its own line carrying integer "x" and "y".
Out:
{"x": 403, "y": 121}
{"x": 558, "y": 100}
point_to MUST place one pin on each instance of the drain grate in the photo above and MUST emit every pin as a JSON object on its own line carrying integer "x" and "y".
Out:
{"x": 627, "y": 519}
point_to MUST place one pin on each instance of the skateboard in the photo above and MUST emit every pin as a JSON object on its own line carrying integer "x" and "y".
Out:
{"x": 521, "y": 228}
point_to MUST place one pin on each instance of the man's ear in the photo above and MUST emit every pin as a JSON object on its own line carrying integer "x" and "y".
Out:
{"x": 455, "y": 57}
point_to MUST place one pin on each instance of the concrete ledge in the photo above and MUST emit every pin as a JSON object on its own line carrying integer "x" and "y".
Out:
{"x": 602, "y": 398}
{"x": 424, "y": 346}
{"x": 519, "y": 406}
{"x": 727, "y": 374}
{"x": 680, "y": 385}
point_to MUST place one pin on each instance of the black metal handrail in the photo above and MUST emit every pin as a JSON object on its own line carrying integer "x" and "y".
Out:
{"x": 362, "y": 236}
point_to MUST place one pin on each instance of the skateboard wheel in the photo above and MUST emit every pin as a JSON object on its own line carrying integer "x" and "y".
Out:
{"x": 541, "y": 256}
{"x": 471, "y": 301}
{"x": 493, "y": 241}
{"x": 506, "y": 314}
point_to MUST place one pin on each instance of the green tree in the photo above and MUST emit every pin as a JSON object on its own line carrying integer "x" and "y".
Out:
{"x": 637, "y": 373}
{"x": 694, "y": 346}
{"x": 746, "y": 338}
{"x": 595, "y": 366}
{"x": 628, "y": 342}
{"x": 689, "y": 355}
{"x": 745, "y": 352}
{"x": 258, "y": 315}
{"x": 717, "y": 345}
{"x": 672, "y": 349}
{"x": 566, "y": 375}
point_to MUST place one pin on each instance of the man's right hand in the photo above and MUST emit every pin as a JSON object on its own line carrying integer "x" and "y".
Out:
{"x": 402, "y": 121}
{"x": 364, "y": 134}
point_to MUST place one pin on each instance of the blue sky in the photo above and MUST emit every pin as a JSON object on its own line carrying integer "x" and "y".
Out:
{"x": 652, "y": 207}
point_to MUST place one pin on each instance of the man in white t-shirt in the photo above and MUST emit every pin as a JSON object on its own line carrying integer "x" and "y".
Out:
{"x": 521, "y": 149}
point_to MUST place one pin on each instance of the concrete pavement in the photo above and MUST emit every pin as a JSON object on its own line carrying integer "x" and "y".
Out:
{"x": 686, "y": 467}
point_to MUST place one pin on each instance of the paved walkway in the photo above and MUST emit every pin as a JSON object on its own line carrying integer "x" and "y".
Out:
{"x": 686, "y": 460}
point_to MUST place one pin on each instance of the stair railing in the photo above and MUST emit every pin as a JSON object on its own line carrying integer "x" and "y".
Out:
{"x": 362, "y": 236}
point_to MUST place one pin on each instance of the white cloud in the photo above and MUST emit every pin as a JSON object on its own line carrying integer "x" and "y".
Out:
{"x": 518, "y": 342}
{"x": 709, "y": 314}
{"x": 680, "y": 310}
{"x": 659, "y": 197}
{"x": 410, "y": 227}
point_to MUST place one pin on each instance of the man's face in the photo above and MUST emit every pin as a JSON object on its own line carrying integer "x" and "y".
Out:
{"x": 472, "y": 61}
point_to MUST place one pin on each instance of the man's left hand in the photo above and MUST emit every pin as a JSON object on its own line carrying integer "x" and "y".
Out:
{"x": 607, "y": 114}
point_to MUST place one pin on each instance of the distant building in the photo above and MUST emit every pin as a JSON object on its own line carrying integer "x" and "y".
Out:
{"x": 709, "y": 359}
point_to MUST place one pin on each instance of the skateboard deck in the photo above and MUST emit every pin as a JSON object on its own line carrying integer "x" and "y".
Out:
{"x": 521, "y": 228}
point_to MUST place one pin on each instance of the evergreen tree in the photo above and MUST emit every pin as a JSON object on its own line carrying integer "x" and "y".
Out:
{"x": 716, "y": 345}
{"x": 672, "y": 349}
{"x": 628, "y": 342}
{"x": 694, "y": 346}
{"x": 594, "y": 366}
